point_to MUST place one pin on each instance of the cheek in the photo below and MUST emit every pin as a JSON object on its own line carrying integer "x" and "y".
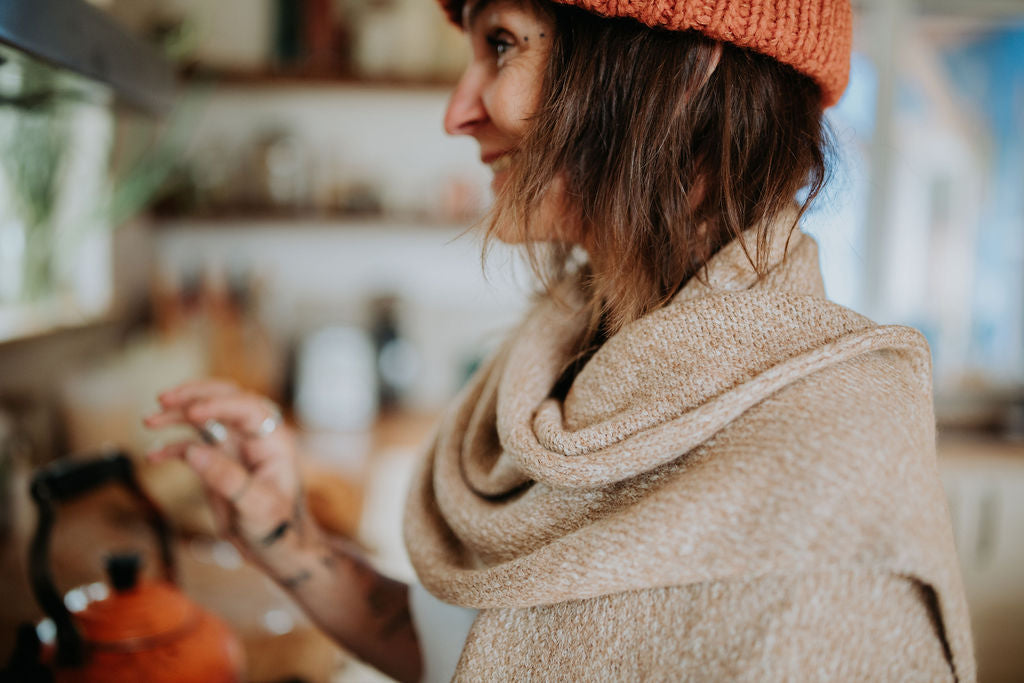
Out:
{"x": 512, "y": 101}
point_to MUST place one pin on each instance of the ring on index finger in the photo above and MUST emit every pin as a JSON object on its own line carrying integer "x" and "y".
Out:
{"x": 213, "y": 432}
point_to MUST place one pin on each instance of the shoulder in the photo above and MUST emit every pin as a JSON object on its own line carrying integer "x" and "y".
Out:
{"x": 882, "y": 394}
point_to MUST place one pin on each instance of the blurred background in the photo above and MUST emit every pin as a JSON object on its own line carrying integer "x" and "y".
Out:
{"x": 288, "y": 213}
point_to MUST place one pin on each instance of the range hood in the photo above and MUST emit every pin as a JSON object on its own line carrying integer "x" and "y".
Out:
{"x": 74, "y": 35}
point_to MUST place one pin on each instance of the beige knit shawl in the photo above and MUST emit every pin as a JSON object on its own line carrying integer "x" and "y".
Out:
{"x": 741, "y": 485}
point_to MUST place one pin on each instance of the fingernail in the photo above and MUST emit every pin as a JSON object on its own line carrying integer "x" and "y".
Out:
{"x": 197, "y": 457}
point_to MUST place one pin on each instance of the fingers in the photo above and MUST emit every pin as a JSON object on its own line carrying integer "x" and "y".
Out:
{"x": 219, "y": 473}
{"x": 171, "y": 451}
{"x": 174, "y": 402}
{"x": 190, "y": 392}
{"x": 164, "y": 419}
{"x": 253, "y": 506}
{"x": 223, "y": 482}
{"x": 243, "y": 412}
{"x": 221, "y": 511}
{"x": 198, "y": 402}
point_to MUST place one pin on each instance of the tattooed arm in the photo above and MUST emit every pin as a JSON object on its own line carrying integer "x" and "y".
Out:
{"x": 364, "y": 611}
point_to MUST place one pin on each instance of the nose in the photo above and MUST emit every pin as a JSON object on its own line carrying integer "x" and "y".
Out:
{"x": 466, "y": 110}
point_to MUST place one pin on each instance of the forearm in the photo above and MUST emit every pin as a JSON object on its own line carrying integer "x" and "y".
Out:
{"x": 365, "y": 612}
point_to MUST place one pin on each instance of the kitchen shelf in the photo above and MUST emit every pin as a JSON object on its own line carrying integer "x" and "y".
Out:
{"x": 285, "y": 79}
{"x": 314, "y": 220}
{"x": 22, "y": 322}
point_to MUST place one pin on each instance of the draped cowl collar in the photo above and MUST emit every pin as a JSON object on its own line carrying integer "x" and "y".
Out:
{"x": 637, "y": 479}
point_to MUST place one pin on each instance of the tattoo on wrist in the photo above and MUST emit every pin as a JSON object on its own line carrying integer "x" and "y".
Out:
{"x": 300, "y": 524}
{"x": 278, "y": 532}
{"x": 293, "y": 582}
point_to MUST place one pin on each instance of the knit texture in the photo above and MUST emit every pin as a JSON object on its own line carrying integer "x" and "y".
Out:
{"x": 814, "y": 37}
{"x": 741, "y": 485}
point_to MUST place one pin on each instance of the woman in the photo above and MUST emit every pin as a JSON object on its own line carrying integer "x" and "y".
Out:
{"x": 685, "y": 463}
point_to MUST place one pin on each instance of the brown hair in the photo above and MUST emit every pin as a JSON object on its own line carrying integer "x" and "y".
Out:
{"x": 669, "y": 145}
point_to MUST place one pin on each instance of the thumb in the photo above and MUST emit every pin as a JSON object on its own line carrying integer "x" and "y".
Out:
{"x": 219, "y": 472}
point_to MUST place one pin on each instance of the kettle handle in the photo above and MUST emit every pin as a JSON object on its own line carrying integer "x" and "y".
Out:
{"x": 65, "y": 480}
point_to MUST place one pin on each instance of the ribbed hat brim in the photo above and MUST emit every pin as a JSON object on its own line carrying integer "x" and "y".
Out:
{"x": 814, "y": 37}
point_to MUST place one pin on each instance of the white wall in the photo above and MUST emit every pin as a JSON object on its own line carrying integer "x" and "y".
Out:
{"x": 317, "y": 274}
{"x": 391, "y": 138}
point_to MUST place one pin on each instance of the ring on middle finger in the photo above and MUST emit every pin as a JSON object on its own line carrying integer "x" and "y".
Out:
{"x": 269, "y": 424}
{"x": 213, "y": 432}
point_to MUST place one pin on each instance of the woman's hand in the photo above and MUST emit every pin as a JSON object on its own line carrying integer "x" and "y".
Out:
{"x": 249, "y": 470}
{"x": 252, "y": 482}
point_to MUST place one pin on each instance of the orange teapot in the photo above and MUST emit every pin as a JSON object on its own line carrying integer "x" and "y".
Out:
{"x": 143, "y": 629}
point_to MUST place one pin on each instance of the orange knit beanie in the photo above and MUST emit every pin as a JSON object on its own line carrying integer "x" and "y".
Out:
{"x": 813, "y": 36}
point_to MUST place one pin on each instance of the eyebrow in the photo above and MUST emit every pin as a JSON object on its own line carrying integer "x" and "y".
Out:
{"x": 472, "y": 11}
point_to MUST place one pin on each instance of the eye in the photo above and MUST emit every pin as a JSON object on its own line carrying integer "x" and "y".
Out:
{"x": 500, "y": 42}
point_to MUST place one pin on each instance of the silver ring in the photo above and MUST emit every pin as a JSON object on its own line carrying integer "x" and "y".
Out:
{"x": 269, "y": 425}
{"x": 213, "y": 432}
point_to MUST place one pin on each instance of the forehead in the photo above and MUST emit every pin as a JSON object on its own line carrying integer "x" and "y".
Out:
{"x": 473, "y": 9}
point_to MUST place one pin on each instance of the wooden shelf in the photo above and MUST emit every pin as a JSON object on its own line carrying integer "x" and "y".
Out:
{"x": 334, "y": 221}
{"x": 286, "y": 79}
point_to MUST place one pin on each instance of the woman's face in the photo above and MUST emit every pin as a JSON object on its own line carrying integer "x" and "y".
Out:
{"x": 500, "y": 89}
